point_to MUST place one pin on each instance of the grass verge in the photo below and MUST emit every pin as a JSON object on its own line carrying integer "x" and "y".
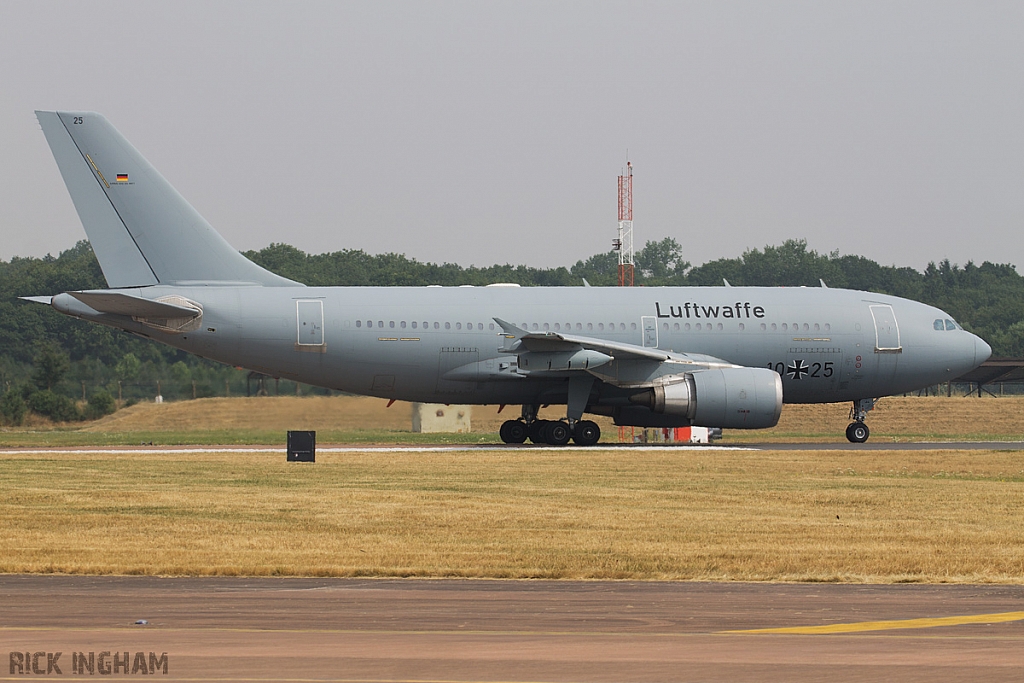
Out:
{"x": 934, "y": 516}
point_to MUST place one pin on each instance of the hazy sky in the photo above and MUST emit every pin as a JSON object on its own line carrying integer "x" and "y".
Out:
{"x": 486, "y": 132}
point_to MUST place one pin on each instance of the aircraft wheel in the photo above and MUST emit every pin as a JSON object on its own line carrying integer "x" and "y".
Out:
{"x": 587, "y": 433}
{"x": 557, "y": 433}
{"x": 857, "y": 432}
{"x": 513, "y": 431}
{"x": 535, "y": 430}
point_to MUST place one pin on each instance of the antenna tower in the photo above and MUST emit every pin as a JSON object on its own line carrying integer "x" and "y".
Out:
{"x": 624, "y": 243}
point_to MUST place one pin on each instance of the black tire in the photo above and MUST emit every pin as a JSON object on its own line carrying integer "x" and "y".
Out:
{"x": 557, "y": 433}
{"x": 587, "y": 433}
{"x": 535, "y": 430}
{"x": 513, "y": 431}
{"x": 857, "y": 432}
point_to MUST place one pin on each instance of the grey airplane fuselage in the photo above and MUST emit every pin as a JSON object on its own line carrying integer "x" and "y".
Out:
{"x": 403, "y": 342}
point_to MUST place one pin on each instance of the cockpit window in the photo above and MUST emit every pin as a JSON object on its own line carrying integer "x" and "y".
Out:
{"x": 950, "y": 325}
{"x": 938, "y": 325}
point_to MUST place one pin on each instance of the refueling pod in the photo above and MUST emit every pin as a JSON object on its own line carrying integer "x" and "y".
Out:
{"x": 732, "y": 398}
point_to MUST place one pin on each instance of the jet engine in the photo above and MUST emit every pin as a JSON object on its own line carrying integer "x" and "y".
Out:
{"x": 733, "y": 398}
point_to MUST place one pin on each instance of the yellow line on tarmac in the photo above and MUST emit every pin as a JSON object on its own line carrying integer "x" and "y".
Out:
{"x": 891, "y": 625}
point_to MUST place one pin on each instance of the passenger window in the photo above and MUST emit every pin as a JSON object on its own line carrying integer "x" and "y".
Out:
{"x": 950, "y": 325}
{"x": 938, "y": 325}
{"x": 558, "y": 327}
{"x": 437, "y": 326}
{"x": 458, "y": 326}
{"x": 676, "y": 327}
{"x": 359, "y": 323}
{"x": 380, "y": 323}
{"x": 622, "y": 326}
{"x": 600, "y": 326}
{"x": 632, "y": 326}
{"x": 590, "y": 327}
{"x": 391, "y": 324}
{"x": 414, "y": 324}
{"x": 403, "y": 324}
{"x": 447, "y": 326}
{"x": 664, "y": 326}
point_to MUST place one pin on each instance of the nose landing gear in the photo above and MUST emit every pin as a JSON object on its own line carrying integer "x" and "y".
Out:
{"x": 858, "y": 432}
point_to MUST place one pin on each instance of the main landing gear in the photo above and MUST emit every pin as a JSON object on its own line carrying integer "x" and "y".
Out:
{"x": 858, "y": 432}
{"x": 551, "y": 432}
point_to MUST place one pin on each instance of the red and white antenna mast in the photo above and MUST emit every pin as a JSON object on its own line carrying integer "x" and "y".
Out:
{"x": 624, "y": 243}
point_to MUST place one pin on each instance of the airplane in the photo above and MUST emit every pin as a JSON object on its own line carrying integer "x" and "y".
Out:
{"x": 726, "y": 357}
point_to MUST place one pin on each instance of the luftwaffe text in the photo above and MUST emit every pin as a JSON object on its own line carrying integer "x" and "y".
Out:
{"x": 691, "y": 310}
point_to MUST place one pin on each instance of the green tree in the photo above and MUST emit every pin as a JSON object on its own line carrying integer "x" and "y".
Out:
{"x": 128, "y": 368}
{"x": 100, "y": 403}
{"x": 51, "y": 364}
{"x": 12, "y": 407}
{"x": 57, "y": 407}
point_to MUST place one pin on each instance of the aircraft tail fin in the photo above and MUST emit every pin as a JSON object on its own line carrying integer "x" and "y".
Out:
{"x": 142, "y": 230}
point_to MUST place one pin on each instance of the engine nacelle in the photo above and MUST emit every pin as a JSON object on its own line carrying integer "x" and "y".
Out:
{"x": 732, "y": 398}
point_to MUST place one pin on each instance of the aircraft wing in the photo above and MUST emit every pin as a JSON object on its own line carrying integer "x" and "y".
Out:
{"x": 614, "y": 362}
{"x": 556, "y": 342}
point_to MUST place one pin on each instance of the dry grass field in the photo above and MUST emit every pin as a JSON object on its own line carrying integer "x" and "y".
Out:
{"x": 910, "y": 418}
{"x": 690, "y": 514}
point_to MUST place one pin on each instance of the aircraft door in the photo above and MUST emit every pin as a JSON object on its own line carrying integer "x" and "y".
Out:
{"x": 309, "y": 317}
{"x": 887, "y": 332}
{"x": 650, "y": 327}
{"x": 887, "y": 348}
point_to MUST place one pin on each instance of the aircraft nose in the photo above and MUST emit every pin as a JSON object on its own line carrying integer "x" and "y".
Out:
{"x": 982, "y": 351}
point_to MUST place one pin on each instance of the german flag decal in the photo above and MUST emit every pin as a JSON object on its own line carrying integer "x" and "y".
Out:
{"x": 122, "y": 177}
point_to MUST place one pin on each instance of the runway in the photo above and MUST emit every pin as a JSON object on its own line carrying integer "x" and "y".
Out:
{"x": 233, "y": 629}
{"x": 484, "y": 448}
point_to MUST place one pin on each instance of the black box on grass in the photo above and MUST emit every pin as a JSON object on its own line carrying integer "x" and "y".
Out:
{"x": 301, "y": 446}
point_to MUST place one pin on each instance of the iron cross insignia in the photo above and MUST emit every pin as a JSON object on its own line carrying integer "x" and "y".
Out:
{"x": 797, "y": 369}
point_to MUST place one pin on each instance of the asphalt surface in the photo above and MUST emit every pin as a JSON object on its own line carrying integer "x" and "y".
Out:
{"x": 232, "y": 629}
{"x": 407, "y": 448}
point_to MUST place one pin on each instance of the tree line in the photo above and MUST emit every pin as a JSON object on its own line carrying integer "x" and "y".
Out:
{"x": 987, "y": 299}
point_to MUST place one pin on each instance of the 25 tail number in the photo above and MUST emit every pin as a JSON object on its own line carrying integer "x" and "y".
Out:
{"x": 798, "y": 369}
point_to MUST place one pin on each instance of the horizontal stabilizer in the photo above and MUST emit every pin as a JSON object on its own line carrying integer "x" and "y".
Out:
{"x": 133, "y": 306}
{"x": 47, "y": 300}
